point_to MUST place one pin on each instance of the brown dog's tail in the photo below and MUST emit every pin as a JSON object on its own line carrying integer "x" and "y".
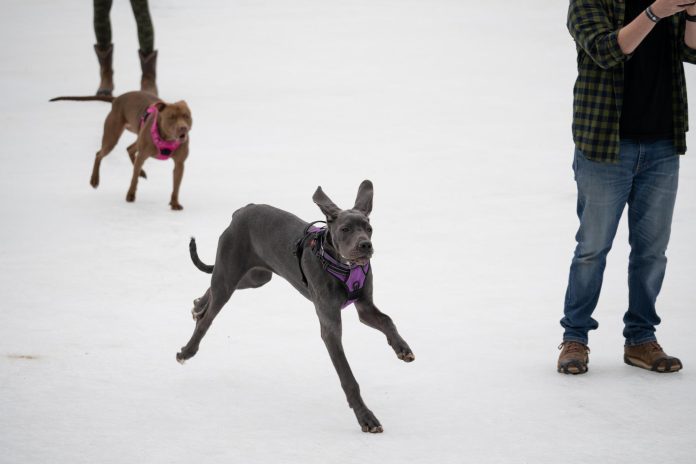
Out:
{"x": 104, "y": 98}
{"x": 196, "y": 260}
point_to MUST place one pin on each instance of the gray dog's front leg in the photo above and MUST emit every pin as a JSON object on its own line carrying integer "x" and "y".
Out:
{"x": 373, "y": 317}
{"x": 331, "y": 330}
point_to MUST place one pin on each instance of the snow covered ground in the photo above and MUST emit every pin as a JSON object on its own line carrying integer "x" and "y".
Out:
{"x": 458, "y": 111}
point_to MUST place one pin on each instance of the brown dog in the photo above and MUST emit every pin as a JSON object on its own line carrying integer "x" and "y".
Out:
{"x": 137, "y": 112}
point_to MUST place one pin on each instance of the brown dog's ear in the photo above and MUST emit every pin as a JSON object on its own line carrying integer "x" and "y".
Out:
{"x": 363, "y": 202}
{"x": 325, "y": 204}
{"x": 160, "y": 106}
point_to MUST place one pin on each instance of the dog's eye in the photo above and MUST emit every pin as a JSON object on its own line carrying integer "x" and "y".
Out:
{"x": 369, "y": 229}
{"x": 345, "y": 229}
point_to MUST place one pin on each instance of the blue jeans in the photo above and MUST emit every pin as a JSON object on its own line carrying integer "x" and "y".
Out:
{"x": 645, "y": 178}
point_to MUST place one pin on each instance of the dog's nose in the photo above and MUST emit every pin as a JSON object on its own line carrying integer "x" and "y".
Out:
{"x": 365, "y": 245}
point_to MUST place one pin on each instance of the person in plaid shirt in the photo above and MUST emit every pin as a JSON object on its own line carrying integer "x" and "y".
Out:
{"x": 629, "y": 126}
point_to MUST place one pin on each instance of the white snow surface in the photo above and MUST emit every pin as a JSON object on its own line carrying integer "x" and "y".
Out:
{"x": 458, "y": 111}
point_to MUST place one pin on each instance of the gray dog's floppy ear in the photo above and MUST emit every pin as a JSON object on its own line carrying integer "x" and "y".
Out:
{"x": 363, "y": 202}
{"x": 325, "y": 204}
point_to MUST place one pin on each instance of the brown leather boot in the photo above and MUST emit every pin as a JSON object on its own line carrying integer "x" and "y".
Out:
{"x": 106, "y": 86}
{"x": 149, "y": 66}
{"x": 574, "y": 358}
{"x": 651, "y": 356}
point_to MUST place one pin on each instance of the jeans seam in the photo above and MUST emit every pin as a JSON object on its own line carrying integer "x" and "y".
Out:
{"x": 641, "y": 156}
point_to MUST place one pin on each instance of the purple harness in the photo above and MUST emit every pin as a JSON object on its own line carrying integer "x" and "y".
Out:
{"x": 352, "y": 277}
{"x": 165, "y": 148}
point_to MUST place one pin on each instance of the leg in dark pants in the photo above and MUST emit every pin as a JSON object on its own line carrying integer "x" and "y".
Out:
{"x": 146, "y": 33}
{"x": 103, "y": 48}
{"x": 147, "y": 52}
{"x": 102, "y": 23}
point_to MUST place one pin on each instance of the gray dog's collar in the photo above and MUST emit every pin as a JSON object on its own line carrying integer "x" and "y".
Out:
{"x": 352, "y": 277}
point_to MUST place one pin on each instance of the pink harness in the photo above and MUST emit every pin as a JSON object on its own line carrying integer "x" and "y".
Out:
{"x": 165, "y": 148}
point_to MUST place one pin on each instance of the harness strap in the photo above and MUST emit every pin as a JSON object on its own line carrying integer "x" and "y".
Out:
{"x": 165, "y": 148}
{"x": 352, "y": 277}
{"x": 299, "y": 248}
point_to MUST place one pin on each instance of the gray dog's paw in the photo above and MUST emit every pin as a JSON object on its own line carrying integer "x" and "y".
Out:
{"x": 369, "y": 423}
{"x": 406, "y": 356}
{"x": 377, "y": 429}
{"x": 403, "y": 351}
{"x": 374, "y": 429}
{"x": 183, "y": 355}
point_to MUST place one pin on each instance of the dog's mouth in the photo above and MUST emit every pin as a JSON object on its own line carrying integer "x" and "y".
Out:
{"x": 182, "y": 137}
{"x": 360, "y": 260}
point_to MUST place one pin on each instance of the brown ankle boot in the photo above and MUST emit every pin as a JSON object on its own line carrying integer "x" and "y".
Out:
{"x": 574, "y": 358}
{"x": 149, "y": 66}
{"x": 651, "y": 356}
{"x": 106, "y": 86}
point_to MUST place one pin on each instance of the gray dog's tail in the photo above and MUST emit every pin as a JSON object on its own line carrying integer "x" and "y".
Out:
{"x": 196, "y": 260}
{"x": 104, "y": 98}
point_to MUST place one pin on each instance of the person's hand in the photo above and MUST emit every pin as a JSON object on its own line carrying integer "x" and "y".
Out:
{"x": 666, "y": 8}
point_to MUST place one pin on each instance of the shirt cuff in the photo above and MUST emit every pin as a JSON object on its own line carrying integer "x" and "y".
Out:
{"x": 615, "y": 49}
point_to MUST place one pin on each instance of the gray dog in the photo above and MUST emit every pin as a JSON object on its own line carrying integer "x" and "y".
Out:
{"x": 330, "y": 266}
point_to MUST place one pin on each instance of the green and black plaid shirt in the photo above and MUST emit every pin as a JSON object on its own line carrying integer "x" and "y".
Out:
{"x": 598, "y": 92}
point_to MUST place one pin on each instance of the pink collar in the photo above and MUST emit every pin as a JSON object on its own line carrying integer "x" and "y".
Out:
{"x": 165, "y": 148}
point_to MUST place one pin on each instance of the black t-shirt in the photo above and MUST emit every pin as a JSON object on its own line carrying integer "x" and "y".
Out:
{"x": 647, "y": 100}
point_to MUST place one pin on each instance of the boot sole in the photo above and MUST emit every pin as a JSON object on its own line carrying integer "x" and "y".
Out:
{"x": 635, "y": 362}
{"x": 574, "y": 368}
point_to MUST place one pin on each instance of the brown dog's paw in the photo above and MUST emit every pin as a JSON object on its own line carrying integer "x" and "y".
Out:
{"x": 176, "y": 206}
{"x": 406, "y": 357}
{"x": 94, "y": 181}
{"x": 130, "y": 197}
{"x": 142, "y": 174}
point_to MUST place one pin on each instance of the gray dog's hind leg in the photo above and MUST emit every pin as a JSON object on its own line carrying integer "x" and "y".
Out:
{"x": 331, "y": 331}
{"x": 373, "y": 317}
{"x": 255, "y": 278}
{"x": 200, "y": 305}
{"x": 209, "y": 305}
{"x": 219, "y": 293}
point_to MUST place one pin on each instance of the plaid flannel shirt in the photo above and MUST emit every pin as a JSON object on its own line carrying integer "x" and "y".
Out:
{"x": 598, "y": 91}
